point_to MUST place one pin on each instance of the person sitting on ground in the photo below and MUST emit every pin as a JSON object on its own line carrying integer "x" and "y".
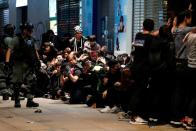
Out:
{"x": 77, "y": 42}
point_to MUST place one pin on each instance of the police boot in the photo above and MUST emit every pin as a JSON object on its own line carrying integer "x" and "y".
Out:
{"x": 31, "y": 103}
{"x": 17, "y": 104}
{"x": 16, "y": 98}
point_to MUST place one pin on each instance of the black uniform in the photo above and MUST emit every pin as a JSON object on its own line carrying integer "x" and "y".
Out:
{"x": 4, "y": 77}
{"x": 24, "y": 60}
{"x": 5, "y": 40}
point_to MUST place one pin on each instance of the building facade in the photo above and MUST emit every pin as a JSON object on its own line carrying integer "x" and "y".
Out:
{"x": 98, "y": 17}
{"x": 68, "y": 16}
{"x": 17, "y": 12}
{"x": 4, "y": 14}
{"x": 151, "y": 9}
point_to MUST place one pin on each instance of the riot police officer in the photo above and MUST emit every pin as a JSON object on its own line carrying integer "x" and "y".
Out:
{"x": 22, "y": 55}
{"x": 4, "y": 77}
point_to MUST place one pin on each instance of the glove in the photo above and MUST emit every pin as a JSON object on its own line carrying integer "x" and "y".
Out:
{"x": 7, "y": 69}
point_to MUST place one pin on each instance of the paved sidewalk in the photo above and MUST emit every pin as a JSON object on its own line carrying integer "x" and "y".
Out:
{"x": 57, "y": 116}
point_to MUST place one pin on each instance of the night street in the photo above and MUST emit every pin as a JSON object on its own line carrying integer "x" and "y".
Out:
{"x": 57, "y": 116}
{"x": 97, "y": 65}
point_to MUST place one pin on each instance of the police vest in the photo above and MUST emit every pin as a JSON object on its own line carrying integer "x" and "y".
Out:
{"x": 25, "y": 51}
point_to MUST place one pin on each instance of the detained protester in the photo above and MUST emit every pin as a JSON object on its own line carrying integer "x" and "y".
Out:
{"x": 190, "y": 105}
{"x": 111, "y": 82}
{"x": 92, "y": 48}
{"x": 184, "y": 19}
{"x": 71, "y": 79}
{"x": 161, "y": 83}
{"x": 141, "y": 72}
{"x": 91, "y": 45}
{"x": 77, "y": 42}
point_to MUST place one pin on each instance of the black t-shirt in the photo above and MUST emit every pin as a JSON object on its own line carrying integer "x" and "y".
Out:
{"x": 89, "y": 80}
{"x": 141, "y": 48}
{"x": 160, "y": 53}
{"x": 76, "y": 72}
{"x": 112, "y": 78}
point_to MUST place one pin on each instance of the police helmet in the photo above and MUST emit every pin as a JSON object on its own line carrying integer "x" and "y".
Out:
{"x": 77, "y": 29}
{"x": 9, "y": 29}
{"x": 28, "y": 26}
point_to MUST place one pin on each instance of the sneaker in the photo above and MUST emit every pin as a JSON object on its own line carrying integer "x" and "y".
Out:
{"x": 122, "y": 116}
{"x": 67, "y": 95}
{"x": 115, "y": 109}
{"x": 176, "y": 123}
{"x": 107, "y": 109}
{"x": 32, "y": 104}
{"x": 191, "y": 126}
{"x": 153, "y": 122}
{"x": 153, "y": 119}
{"x": 138, "y": 121}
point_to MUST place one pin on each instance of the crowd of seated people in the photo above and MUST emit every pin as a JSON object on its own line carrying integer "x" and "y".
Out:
{"x": 152, "y": 85}
{"x": 145, "y": 87}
